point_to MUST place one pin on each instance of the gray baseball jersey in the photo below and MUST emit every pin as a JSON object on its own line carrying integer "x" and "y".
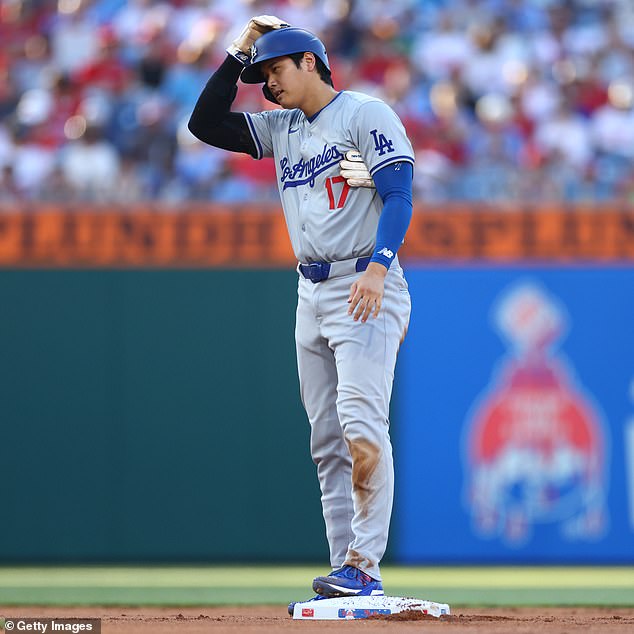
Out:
{"x": 327, "y": 220}
{"x": 346, "y": 368}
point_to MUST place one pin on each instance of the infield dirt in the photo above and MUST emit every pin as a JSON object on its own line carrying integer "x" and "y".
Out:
{"x": 270, "y": 619}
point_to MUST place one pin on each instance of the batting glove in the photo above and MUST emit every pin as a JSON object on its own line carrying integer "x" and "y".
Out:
{"x": 354, "y": 170}
{"x": 240, "y": 48}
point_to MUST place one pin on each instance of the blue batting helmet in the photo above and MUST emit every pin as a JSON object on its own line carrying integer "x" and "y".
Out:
{"x": 278, "y": 43}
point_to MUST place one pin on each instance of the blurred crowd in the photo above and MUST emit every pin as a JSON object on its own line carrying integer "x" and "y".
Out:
{"x": 504, "y": 100}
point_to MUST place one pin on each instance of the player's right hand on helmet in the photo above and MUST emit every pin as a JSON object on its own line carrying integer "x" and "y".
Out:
{"x": 354, "y": 170}
{"x": 240, "y": 48}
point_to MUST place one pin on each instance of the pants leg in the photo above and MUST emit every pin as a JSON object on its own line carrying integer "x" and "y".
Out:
{"x": 365, "y": 356}
{"x": 346, "y": 371}
{"x": 318, "y": 388}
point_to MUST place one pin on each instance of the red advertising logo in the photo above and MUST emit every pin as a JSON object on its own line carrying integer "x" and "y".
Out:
{"x": 535, "y": 451}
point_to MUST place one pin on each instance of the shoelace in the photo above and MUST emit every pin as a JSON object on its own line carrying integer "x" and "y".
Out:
{"x": 350, "y": 572}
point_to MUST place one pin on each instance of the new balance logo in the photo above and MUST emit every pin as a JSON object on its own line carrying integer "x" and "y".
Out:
{"x": 386, "y": 252}
{"x": 381, "y": 144}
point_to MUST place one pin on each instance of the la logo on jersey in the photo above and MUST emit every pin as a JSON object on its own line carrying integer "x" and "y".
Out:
{"x": 381, "y": 144}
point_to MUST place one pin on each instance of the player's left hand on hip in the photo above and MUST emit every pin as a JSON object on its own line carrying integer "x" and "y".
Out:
{"x": 355, "y": 171}
{"x": 366, "y": 294}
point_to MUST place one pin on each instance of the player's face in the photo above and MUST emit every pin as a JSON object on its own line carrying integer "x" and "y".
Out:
{"x": 285, "y": 81}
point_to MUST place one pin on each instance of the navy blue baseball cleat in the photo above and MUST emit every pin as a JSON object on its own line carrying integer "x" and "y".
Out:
{"x": 347, "y": 581}
{"x": 291, "y": 606}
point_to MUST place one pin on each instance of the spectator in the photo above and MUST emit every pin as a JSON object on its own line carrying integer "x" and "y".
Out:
{"x": 74, "y": 38}
{"x": 503, "y": 99}
{"x": 91, "y": 166}
{"x": 32, "y": 162}
{"x": 565, "y": 137}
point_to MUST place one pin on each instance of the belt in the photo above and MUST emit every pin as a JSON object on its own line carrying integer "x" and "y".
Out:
{"x": 320, "y": 271}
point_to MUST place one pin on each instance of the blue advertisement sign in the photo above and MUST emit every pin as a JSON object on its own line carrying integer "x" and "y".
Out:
{"x": 514, "y": 439}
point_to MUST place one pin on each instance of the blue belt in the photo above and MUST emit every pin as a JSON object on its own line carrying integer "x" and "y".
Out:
{"x": 320, "y": 271}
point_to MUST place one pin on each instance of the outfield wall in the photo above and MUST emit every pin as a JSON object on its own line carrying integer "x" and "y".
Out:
{"x": 515, "y": 439}
{"x": 151, "y": 408}
{"x": 153, "y": 415}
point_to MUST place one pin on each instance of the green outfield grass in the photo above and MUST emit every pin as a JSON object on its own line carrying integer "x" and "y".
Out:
{"x": 218, "y": 585}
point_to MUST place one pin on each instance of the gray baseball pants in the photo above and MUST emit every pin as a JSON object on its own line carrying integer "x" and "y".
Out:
{"x": 346, "y": 372}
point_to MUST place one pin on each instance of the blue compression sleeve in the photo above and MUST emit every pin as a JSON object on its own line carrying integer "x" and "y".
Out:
{"x": 394, "y": 184}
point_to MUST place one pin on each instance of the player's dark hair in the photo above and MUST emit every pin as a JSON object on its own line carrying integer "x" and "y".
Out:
{"x": 324, "y": 73}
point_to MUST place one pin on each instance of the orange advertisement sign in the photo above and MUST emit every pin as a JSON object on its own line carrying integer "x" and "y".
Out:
{"x": 219, "y": 236}
{"x": 145, "y": 237}
{"x": 505, "y": 234}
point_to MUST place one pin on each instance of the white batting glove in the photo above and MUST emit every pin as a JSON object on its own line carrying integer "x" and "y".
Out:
{"x": 354, "y": 170}
{"x": 240, "y": 48}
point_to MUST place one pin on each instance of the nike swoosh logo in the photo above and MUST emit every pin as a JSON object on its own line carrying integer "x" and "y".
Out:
{"x": 291, "y": 130}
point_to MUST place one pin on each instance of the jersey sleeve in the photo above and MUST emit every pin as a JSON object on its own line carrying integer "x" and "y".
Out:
{"x": 260, "y": 126}
{"x": 394, "y": 184}
{"x": 380, "y": 136}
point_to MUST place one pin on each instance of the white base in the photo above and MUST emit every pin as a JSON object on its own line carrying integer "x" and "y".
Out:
{"x": 348, "y": 608}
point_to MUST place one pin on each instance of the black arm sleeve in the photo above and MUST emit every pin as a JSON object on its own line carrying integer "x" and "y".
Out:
{"x": 212, "y": 122}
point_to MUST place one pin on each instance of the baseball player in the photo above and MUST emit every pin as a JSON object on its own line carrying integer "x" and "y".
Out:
{"x": 344, "y": 170}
